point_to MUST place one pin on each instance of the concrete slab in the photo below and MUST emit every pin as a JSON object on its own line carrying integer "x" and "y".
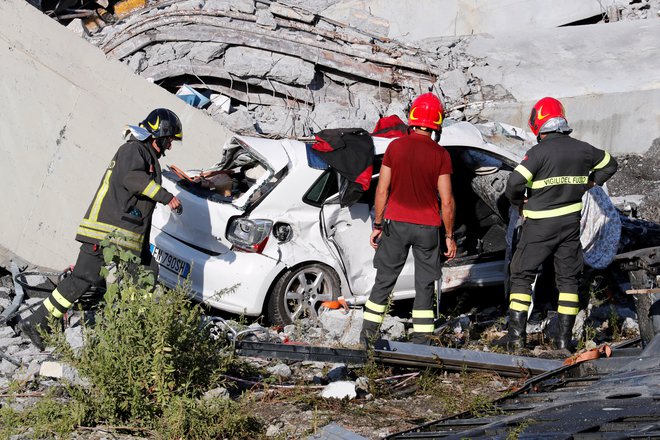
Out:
{"x": 606, "y": 76}
{"x": 411, "y": 20}
{"x": 64, "y": 107}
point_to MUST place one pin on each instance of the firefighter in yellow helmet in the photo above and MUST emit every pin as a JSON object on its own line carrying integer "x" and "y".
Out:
{"x": 548, "y": 186}
{"x": 123, "y": 204}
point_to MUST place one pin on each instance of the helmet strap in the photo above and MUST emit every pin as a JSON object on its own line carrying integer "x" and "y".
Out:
{"x": 162, "y": 146}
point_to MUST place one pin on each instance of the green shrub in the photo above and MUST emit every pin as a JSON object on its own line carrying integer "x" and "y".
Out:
{"x": 149, "y": 358}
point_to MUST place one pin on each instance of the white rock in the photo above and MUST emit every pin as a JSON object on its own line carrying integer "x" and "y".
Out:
{"x": 7, "y": 367}
{"x": 342, "y": 327}
{"x": 339, "y": 390}
{"x": 217, "y": 393}
{"x": 630, "y": 325}
{"x": 51, "y": 369}
{"x": 245, "y": 6}
{"x": 74, "y": 337}
{"x": 7, "y": 332}
{"x": 281, "y": 370}
{"x": 8, "y": 342}
{"x": 29, "y": 373}
{"x": 77, "y": 27}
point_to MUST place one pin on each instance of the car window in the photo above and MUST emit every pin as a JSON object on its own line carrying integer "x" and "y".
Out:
{"x": 326, "y": 185}
{"x": 323, "y": 187}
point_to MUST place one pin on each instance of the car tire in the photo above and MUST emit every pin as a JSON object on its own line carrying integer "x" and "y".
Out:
{"x": 299, "y": 293}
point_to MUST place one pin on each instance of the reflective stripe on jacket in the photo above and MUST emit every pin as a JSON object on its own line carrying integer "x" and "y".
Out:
{"x": 555, "y": 173}
{"x": 126, "y": 197}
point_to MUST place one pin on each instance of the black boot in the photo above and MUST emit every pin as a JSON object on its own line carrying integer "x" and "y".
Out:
{"x": 565, "y": 336}
{"x": 369, "y": 334}
{"x": 34, "y": 325}
{"x": 515, "y": 339}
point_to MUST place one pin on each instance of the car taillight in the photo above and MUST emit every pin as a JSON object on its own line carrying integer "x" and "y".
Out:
{"x": 250, "y": 235}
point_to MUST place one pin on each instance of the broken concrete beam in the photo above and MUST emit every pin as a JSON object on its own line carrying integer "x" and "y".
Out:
{"x": 250, "y": 62}
{"x": 306, "y": 50}
{"x": 297, "y": 14}
{"x": 245, "y": 6}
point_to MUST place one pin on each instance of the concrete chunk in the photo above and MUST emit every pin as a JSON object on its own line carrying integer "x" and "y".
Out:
{"x": 293, "y": 14}
{"x": 52, "y": 369}
{"x": 255, "y": 63}
{"x": 266, "y": 19}
{"x": 245, "y": 6}
{"x": 339, "y": 390}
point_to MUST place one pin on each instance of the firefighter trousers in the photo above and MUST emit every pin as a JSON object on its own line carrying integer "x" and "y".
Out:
{"x": 541, "y": 238}
{"x": 396, "y": 240}
{"x": 86, "y": 274}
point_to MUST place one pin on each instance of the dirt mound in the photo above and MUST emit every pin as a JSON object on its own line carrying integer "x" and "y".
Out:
{"x": 640, "y": 174}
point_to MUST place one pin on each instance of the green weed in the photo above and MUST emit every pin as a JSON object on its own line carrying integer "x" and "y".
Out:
{"x": 149, "y": 357}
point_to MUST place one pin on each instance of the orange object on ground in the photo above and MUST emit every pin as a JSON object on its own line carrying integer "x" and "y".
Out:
{"x": 338, "y": 304}
{"x": 594, "y": 353}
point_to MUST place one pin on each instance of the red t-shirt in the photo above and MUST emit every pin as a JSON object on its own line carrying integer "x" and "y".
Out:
{"x": 416, "y": 162}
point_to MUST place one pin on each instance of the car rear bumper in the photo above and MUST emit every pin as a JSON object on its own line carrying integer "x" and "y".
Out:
{"x": 236, "y": 282}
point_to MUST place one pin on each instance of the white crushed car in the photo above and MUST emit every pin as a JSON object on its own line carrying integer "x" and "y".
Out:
{"x": 265, "y": 234}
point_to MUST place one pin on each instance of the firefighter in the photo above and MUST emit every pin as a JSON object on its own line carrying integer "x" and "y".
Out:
{"x": 123, "y": 204}
{"x": 547, "y": 186}
{"x": 415, "y": 171}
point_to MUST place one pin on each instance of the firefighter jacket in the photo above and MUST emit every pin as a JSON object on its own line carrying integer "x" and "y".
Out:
{"x": 555, "y": 173}
{"x": 126, "y": 198}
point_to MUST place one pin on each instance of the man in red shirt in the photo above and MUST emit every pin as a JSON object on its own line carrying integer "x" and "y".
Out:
{"x": 415, "y": 171}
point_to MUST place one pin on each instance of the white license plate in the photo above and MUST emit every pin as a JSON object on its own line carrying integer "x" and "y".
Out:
{"x": 170, "y": 262}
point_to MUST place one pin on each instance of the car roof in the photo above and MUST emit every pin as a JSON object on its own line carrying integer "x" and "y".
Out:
{"x": 459, "y": 134}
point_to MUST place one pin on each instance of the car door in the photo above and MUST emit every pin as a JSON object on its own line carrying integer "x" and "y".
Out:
{"x": 347, "y": 229}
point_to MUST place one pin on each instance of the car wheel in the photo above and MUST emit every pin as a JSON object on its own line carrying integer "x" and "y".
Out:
{"x": 299, "y": 293}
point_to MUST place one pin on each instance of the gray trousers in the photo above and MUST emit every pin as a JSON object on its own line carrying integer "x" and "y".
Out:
{"x": 391, "y": 255}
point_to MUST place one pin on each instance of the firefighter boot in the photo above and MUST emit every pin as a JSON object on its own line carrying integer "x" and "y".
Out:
{"x": 369, "y": 334}
{"x": 565, "y": 336}
{"x": 34, "y": 325}
{"x": 515, "y": 338}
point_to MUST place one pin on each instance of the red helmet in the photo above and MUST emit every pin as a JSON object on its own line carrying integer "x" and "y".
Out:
{"x": 543, "y": 111}
{"x": 426, "y": 111}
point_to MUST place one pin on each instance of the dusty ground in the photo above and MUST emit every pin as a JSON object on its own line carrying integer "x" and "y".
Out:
{"x": 404, "y": 403}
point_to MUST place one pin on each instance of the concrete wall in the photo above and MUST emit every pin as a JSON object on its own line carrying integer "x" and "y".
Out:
{"x": 411, "y": 20}
{"x": 606, "y": 76}
{"x": 63, "y": 108}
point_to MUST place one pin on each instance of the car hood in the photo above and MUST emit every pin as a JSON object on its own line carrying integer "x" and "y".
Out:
{"x": 202, "y": 223}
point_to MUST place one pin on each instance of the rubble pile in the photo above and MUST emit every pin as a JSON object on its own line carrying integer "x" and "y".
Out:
{"x": 636, "y": 10}
{"x": 635, "y": 187}
{"x": 283, "y": 69}
{"x": 602, "y": 321}
{"x": 287, "y": 71}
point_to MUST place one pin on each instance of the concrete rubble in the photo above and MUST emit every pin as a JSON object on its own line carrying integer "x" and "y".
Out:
{"x": 295, "y": 73}
{"x": 291, "y": 68}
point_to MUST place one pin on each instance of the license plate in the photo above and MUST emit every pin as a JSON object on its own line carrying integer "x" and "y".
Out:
{"x": 170, "y": 262}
